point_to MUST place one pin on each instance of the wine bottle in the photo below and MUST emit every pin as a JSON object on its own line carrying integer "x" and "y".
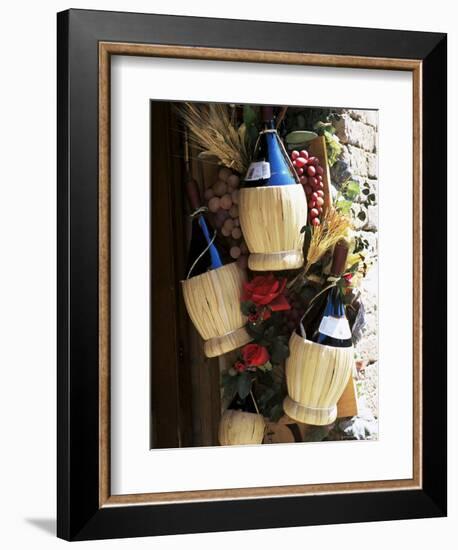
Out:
{"x": 333, "y": 327}
{"x": 271, "y": 165}
{"x": 203, "y": 254}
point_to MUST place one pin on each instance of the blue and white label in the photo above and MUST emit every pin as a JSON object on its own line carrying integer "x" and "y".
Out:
{"x": 335, "y": 327}
{"x": 258, "y": 171}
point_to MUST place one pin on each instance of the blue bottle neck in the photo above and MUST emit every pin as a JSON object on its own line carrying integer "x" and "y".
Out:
{"x": 215, "y": 259}
{"x": 334, "y": 305}
{"x": 280, "y": 171}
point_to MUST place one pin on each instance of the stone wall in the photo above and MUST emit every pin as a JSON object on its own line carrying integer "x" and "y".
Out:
{"x": 357, "y": 132}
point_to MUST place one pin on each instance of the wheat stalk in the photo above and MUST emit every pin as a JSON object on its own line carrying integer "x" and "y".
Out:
{"x": 211, "y": 130}
{"x": 333, "y": 228}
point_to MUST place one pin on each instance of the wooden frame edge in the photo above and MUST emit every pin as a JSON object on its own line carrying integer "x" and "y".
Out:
{"x": 106, "y": 49}
{"x": 257, "y": 56}
{"x": 417, "y": 325}
{"x": 104, "y": 276}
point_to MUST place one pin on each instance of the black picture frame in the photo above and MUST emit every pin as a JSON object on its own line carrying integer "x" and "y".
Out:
{"x": 80, "y": 516}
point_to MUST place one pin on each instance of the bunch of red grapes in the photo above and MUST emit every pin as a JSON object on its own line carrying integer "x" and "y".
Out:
{"x": 310, "y": 174}
{"x": 222, "y": 199}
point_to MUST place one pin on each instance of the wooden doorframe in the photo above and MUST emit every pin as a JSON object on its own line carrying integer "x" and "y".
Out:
{"x": 185, "y": 393}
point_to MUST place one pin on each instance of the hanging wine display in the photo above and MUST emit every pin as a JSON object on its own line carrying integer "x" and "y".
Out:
{"x": 292, "y": 323}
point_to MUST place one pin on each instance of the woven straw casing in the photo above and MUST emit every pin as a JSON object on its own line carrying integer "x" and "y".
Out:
{"x": 316, "y": 377}
{"x": 241, "y": 428}
{"x": 213, "y": 303}
{"x": 271, "y": 219}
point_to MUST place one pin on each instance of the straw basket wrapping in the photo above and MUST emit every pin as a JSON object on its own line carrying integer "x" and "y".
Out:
{"x": 271, "y": 219}
{"x": 316, "y": 377}
{"x": 213, "y": 303}
{"x": 241, "y": 428}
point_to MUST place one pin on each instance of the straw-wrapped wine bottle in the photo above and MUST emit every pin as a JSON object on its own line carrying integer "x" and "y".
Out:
{"x": 241, "y": 423}
{"x": 318, "y": 367}
{"x": 272, "y": 206}
{"x": 212, "y": 290}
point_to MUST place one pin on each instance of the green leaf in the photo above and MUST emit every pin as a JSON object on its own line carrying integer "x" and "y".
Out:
{"x": 246, "y": 307}
{"x": 352, "y": 190}
{"x": 226, "y": 378}
{"x": 256, "y": 331}
{"x": 280, "y": 352}
{"x": 300, "y": 137}
{"x": 354, "y": 268}
{"x": 323, "y": 127}
{"x": 343, "y": 206}
{"x": 249, "y": 115}
{"x": 371, "y": 197}
{"x": 362, "y": 215}
{"x": 243, "y": 385}
{"x": 269, "y": 333}
{"x": 276, "y": 412}
{"x": 230, "y": 386}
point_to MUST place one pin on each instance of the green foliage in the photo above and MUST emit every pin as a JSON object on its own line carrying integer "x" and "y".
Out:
{"x": 267, "y": 332}
{"x": 352, "y": 190}
{"x": 343, "y": 206}
{"x": 229, "y": 383}
{"x": 252, "y": 126}
{"x": 249, "y": 115}
{"x": 276, "y": 412}
{"x": 247, "y": 308}
{"x": 270, "y": 396}
{"x": 333, "y": 146}
{"x": 349, "y": 191}
{"x": 244, "y": 381}
{"x": 279, "y": 351}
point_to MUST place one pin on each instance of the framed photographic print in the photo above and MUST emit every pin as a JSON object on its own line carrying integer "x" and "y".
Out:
{"x": 252, "y": 278}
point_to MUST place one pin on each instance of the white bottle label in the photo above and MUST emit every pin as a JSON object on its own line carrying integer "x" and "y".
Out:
{"x": 335, "y": 327}
{"x": 258, "y": 171}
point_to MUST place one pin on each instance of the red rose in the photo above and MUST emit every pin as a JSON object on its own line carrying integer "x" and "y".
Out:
{"x": 266, "y": 290}
{"x": 239, "y": 366}
{"x": 255, "y": 355}
{"x": 348, "y": 277}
